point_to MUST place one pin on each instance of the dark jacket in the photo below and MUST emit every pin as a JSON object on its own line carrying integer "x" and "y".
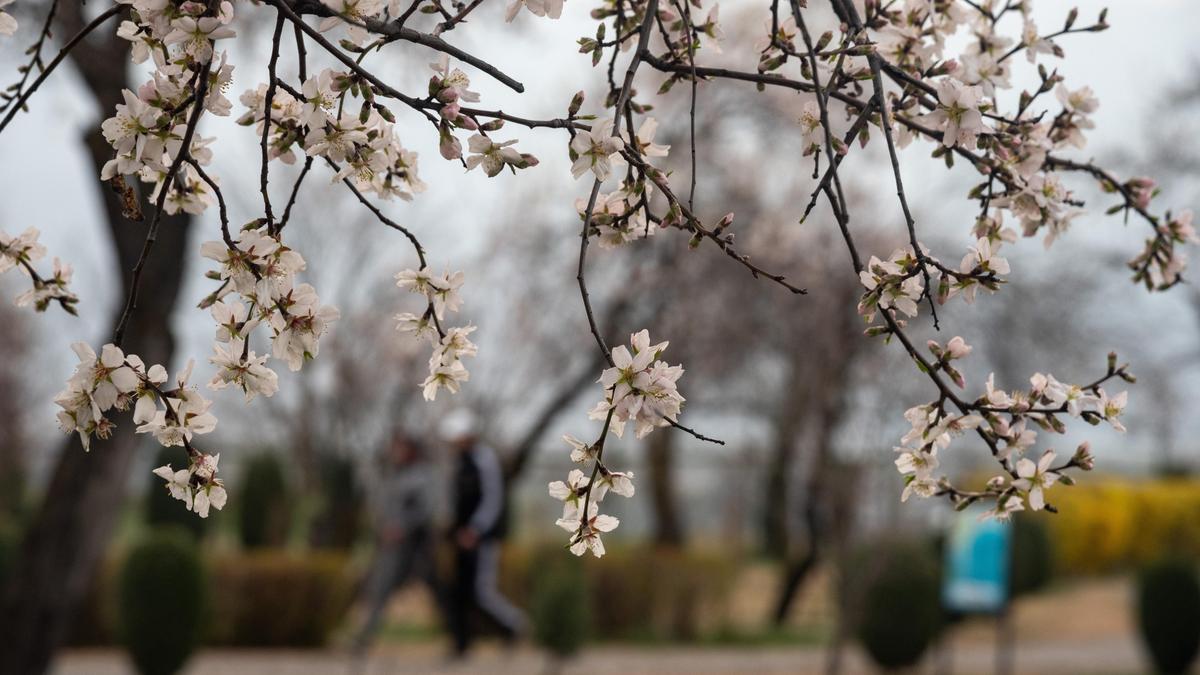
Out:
{"x": 479, "y": 494}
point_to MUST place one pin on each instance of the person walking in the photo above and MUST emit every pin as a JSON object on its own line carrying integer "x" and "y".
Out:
{"x": 402, "y": 508}
{"x": 478, "y": 530}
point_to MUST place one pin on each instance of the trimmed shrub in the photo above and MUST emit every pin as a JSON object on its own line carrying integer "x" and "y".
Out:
{"x": 164, "y": 510}
{"x": 561, "y": 607}
{"x": 637, "y": 592}
{"x": 161, "y": 605}
{"x": 265, "y": 509}
{"x": 1032, "y": 563}
{"x": 899, "y": 611}
{"x": 339, "y": 518}
{"x": 1169, "y": 614}
{"x": 10, "y": 544}
{"x": 274, "y": 599}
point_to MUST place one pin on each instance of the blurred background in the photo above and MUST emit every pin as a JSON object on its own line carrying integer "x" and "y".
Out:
{"x": 786, "y": 549}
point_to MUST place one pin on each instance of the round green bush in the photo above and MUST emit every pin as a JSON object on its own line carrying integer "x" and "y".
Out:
{"x": 164, "y": 510}
{"x": 1169, "y": 614}
{"x": 10, "y": 544}
{"x": 1032, "y": 556}
{"x": 265, "y": 513}
{"x": 561, "y": 608}
{"x": 899, "y": 612}
{"x": 161, "y": 601}
{"x": 338, "y": 522}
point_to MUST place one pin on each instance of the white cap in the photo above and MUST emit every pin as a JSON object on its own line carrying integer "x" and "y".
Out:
{"x": 458, "y": 424}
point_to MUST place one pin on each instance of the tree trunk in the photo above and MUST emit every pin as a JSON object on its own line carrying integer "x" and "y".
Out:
{"x": 788, "y": 423}
{"x": 668, "y": 524}
{"x": 821, "y": 415}
{"x": 66, "y": 540}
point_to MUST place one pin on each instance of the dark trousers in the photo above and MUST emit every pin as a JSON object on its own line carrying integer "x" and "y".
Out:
{"x": 475, "y": 575}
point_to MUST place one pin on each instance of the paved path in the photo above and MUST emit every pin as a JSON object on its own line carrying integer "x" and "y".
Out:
{"x": 1115, "y": 657}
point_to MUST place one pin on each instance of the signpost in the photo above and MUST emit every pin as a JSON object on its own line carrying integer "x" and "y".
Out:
{"x": 976, "y": 579}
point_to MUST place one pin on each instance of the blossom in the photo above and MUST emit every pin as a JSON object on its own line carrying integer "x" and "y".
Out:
{"x": 618, "y": 482}
{"x": 242, "y": 265}
{"x": 54, "y": 288}
{"x": 447, "y": 375}
{"x": 134, "y": 133}
{"x": 611, "y": 220}
{"x": 213, "y": 495}
{"x": 336, "y": 139}
{"x": 890, "y": 287}
{"x": 1111, "y": 408}
{"x": 1035, "y": 44}
{"x": 250, "y": 373}
{"x": 185, "y": 414}
{"x": 21, "y": 249}
{"x": 1035, "y": 479}
{"x": 810, "y": 126}
{"x": 571, "y": 493}
{"x": 441, "y": 291}
{"x": 196, "y": 35}
{"x": 98, "y": 384}
{"x": 196, "y": 486}
{"x": 917, "y": 462}
{"x": 922, "y": 487}
{"x": 1006, "y": 506}
{"x": 421, "y": 326}
{"x": 586, "y": 533}
{"x": 548, "y": 8}
{"x": 449, "y": 86}
{"x": 351, "y": 10}
{"x": 644, "y": 141}
{"x": 640, "y": 388}
{"x": 580, "y": 451}
{"x": 986, "y": 71}
{"x": 455, "y": 345}
{"x": 493, "y": 156}
{"x": 178, "y": 483}
{"x": 8, "y": 25}
{"x": 320, "y": 97}
{"x": 957, "y": 114}
{"x": 299, "y": 322}
{"x": 1082, "y": 100}
{"x": 593, "y": 150}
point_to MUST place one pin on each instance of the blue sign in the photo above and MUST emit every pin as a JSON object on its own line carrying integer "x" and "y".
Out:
{"x": 977, "y": 555}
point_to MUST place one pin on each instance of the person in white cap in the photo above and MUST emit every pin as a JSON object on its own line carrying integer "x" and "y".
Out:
{"x": 479, "y": 525}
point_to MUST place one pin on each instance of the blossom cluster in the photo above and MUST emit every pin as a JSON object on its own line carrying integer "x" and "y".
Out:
{"x": 638, "y": 388}
{"x": 152, "y": 125}
{"x": 20, "y": 252}
{"x": 258, "y": 287}
{"x": 173, "y": 416}
{"x": 1008, "y": 423}
{"x": 446, "y": 369}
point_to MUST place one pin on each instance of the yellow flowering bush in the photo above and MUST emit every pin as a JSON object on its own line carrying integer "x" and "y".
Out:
{"x": 1115, "y": 524}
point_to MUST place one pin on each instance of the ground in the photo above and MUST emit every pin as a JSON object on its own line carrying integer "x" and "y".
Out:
{"x": 1077, "y": 629}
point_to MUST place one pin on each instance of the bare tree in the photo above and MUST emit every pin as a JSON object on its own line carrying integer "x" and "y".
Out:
{"x": 65, "y": 540}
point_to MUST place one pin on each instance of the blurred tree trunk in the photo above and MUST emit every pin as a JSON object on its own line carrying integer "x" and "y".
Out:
{"x": 668, "y": 523}
{"x": 822, "y": 375}
{"x": 814, "y": 504}
{"x": 65, "y": 541}
{"x": 789, "y": 418}
{"x": 14, "y": 341}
